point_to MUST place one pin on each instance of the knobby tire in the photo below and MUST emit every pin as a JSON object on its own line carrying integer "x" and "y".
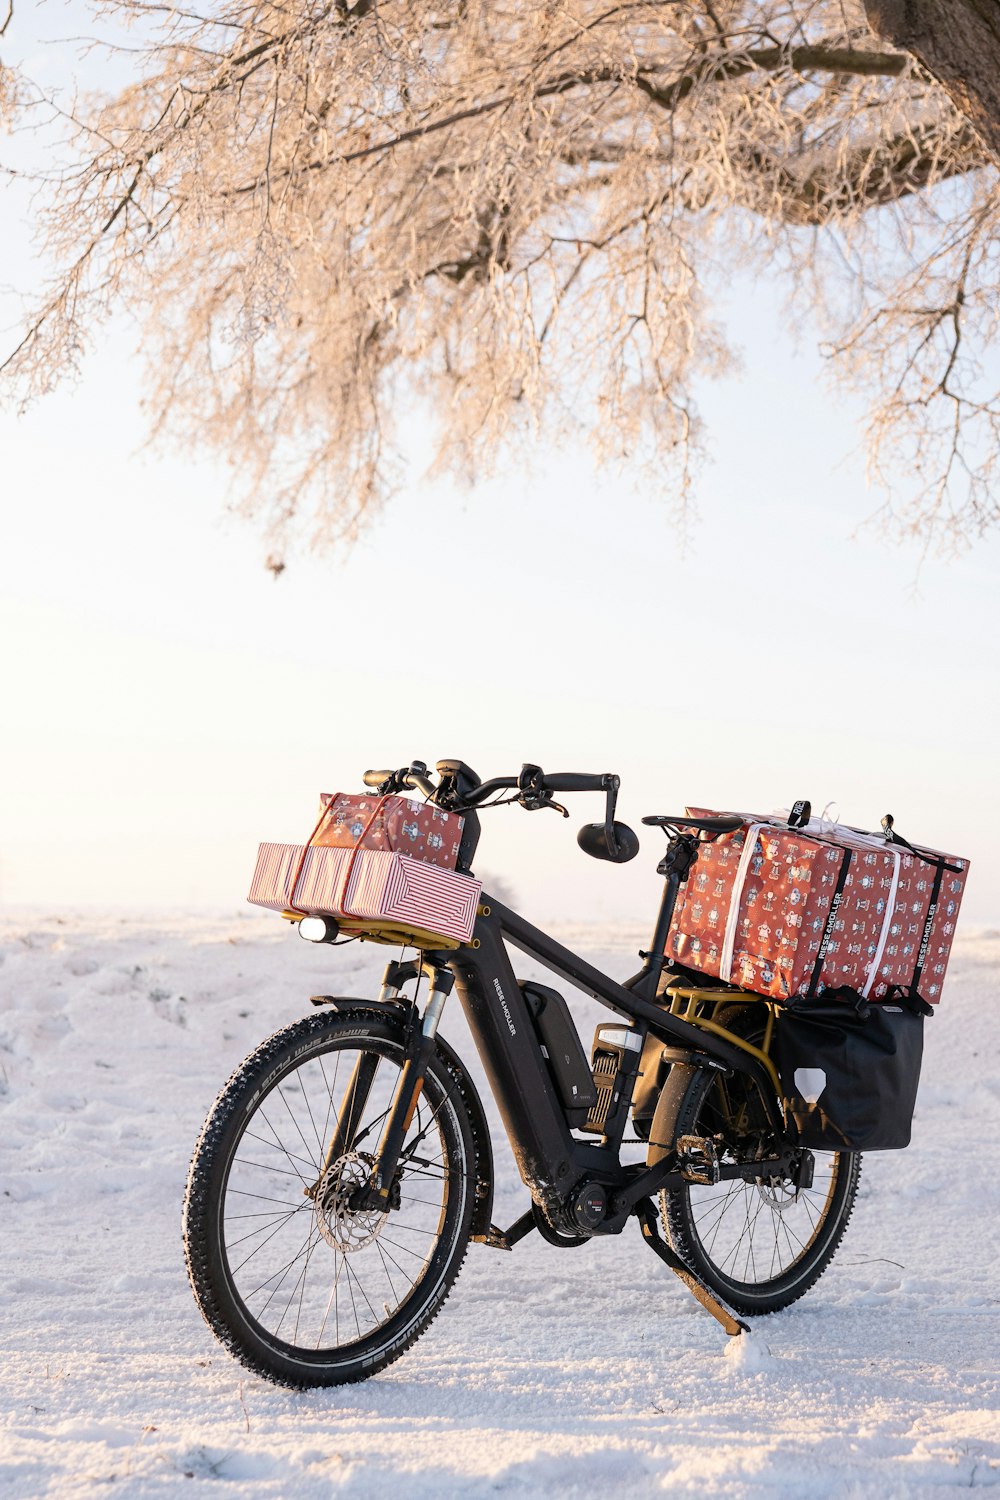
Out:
{"x": 268, "y": 1126}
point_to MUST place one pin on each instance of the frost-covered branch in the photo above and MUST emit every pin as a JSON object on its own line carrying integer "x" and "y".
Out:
{"x": 324, "y": 213}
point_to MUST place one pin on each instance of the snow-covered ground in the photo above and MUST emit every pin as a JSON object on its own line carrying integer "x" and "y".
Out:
{"x": 547, "y": 1372}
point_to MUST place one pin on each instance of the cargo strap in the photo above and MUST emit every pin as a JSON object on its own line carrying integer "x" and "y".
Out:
{"x": 906, "y": 995}
{"x": 940, "y": 866}
{"x": 892, "y": 837}
{"x": 831, "y": 922}
{"x": 348, "y": 868}
{"x": 928, "y": 924}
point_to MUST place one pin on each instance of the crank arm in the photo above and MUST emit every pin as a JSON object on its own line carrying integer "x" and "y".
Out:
{"x": 750, "y": 1171}
{"x": 506, "y": 1239}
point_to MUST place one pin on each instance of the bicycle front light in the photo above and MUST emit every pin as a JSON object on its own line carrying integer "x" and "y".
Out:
{"x": 318, "y": 929}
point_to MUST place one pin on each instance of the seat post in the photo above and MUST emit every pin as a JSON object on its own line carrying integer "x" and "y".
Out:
{"x": 682, "y": 851}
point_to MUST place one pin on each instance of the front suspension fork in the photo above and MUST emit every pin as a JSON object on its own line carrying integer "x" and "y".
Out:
{"x": 376, "y": 1193}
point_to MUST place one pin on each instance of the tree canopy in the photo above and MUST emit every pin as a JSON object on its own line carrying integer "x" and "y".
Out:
{"x": 322, "y": 213}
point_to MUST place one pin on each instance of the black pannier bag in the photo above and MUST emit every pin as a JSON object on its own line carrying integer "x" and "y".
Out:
{"x": 849, "y": 1069}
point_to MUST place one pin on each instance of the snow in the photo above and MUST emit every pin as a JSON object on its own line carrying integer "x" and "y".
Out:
{"x": 548, "y": 1372}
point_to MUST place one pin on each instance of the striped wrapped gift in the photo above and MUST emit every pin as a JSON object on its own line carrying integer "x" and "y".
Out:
{"x": 382, "y": 887}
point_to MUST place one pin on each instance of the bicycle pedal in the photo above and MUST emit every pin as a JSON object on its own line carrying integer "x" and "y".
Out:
{"x": 697, "y": 1159}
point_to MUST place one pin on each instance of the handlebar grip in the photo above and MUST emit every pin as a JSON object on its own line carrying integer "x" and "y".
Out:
{"x": 420, "y": 783}
{"x": 574, "y": 781}
{"x": 375, "y": 778}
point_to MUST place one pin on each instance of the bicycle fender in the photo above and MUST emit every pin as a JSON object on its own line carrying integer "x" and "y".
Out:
{"x": 358, "y": 1002}
{"x": 692, "y": 1063}
{"x": 399, "y": 1016}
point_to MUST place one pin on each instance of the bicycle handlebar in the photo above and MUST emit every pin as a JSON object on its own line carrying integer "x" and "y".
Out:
{"x": 558, "y": 781}
{"x": 461, "y": 791}
{"x": 575, "y": 781}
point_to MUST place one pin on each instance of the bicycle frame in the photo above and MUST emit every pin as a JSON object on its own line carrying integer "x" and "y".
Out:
{"x": 549, "y": 1157}
{"x": 552, "y": 1161}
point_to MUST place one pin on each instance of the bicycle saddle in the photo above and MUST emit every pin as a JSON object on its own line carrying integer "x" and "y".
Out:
{"x": 714, "y": 826}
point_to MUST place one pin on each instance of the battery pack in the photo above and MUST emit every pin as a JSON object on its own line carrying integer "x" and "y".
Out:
{"x": 562, "y": 1050}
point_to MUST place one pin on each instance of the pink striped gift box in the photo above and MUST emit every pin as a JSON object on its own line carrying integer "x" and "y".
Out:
{"x": 382, "y": 885}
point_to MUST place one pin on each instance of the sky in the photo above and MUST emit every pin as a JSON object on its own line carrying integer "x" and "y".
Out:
{"x": 167, "y": 703}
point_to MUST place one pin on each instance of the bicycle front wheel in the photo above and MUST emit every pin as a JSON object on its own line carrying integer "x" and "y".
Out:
{"x": 299, "y": 1286}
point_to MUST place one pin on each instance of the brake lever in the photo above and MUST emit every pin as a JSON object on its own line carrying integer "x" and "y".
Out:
{"x": 533, "y": 801}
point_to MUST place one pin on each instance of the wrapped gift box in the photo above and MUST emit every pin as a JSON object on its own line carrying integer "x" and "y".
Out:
{"x": 393, "y": 824}
{"x": 370, "y": 885}
{"x": 789, "y": 912}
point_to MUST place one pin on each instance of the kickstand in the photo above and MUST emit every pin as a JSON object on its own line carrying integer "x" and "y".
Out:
{"x": 646, "y": 1214}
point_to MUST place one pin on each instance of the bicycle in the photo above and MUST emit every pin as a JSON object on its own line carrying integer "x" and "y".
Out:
{"x": 346, "y": 1165}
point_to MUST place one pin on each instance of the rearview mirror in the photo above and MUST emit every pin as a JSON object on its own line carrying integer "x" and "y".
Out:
{"x": 622, "y": 846}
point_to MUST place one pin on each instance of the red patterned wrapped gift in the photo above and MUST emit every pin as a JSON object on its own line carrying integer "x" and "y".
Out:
{"x": 370, "y": 885}
{"x": 400, "y": 824}
{"x": 787, "y": 912}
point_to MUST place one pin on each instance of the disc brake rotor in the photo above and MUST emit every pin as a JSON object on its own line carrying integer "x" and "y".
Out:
{"x": 343, "y": 1227}
{"x": 778, "y": 1193}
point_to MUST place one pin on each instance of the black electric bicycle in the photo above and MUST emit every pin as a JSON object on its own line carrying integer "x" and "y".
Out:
{"x": 346, "y": 1165}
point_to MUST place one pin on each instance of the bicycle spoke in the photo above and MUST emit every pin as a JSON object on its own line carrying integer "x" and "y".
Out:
{"x": 276, "y": 1145}
{"x": 241, "y": 1193}
{"x": 257, "y": 1249}
{"x": 321, "y": 1148}
{"x": 396, "y": 1246}
{"x": 298, "y": 1127}
{"x": 282, "y": 1147}
{"x": 261, "y": 1166}
{"x": 332, "y": 1297}
{"x": 388, "y": 1274}
{"x": 305, "y": 1273}
{"x": 281, "y": 1273}
{"x": 354, "y": 1305}
{"x": 413, "y": 1229}
{"x": 299, "y": 1280}
{"x": 329, "y": 1099}
{"x": 284, "y": 1218}
{"x": 357, "y": 1280}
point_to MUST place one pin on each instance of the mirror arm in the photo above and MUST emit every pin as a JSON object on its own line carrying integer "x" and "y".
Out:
{"x": 611, "y": 785}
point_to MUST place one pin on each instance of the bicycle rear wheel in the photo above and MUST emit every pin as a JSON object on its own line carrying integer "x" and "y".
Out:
{"x": 300, "y": 1287}
{"x": 759, "y": 1245}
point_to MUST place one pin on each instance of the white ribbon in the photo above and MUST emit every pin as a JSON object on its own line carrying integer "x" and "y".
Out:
{"x": 828, "y": 825}
{"x": 732, "y": 920}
